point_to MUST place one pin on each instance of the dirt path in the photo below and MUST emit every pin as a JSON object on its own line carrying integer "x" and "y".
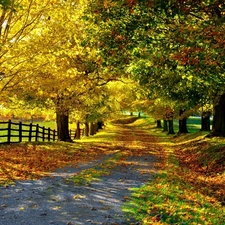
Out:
{"x": 51, "y": 200}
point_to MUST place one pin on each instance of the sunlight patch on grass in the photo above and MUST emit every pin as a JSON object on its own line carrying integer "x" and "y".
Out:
{"x": 125, "y": 120}
{"x": 94, "y": 173}
{"x": 169, "y": 200}
{"x": 108, "y": 134}
{"x": 181, "y": 194}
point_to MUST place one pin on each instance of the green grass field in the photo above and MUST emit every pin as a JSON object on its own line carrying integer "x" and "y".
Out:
{"x": 193, "y": 124}
{"x": 189, "y": 186}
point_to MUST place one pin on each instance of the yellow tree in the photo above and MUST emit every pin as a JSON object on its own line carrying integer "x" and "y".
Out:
{"x": 60, "y": 68}
{"x": 50, "y": 63}
{"x": 123, "y": 94}
{"x": 18, "y": 19}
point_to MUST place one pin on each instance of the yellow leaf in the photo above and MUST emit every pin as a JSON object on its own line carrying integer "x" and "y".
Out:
{"x": 79, "y": 196}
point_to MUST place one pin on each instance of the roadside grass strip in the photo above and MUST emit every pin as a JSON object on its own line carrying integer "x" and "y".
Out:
{"x": 169, "y": 200}
{"x": 176, "y": 195}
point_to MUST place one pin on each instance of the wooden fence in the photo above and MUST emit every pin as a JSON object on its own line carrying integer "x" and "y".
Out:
{"x": 11, "y": 132}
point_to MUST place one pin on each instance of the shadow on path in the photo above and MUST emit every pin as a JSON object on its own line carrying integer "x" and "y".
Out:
{"x": 50, "y": 200}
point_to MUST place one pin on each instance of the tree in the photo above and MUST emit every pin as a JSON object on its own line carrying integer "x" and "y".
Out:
{"x": 168, "y": 117}
{"x": 18, "y": 19}
{"x": 218, "y": 128}
{"x": 5, "y": 4}
{"x": 72, "y": 65}
{"x": 174, "y": 46}
{"x": 65, "y": 72}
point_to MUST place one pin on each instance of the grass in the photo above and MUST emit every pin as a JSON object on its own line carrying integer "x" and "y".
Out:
{"x": 193, "y": 124}
{"x": 171, "y": 201}
{"x": 125, "y": 120}
{"x": 95, "y": 173}
{"x": 190, "y": 185}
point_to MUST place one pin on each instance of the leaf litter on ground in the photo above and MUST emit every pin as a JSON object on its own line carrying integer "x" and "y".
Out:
{"x": 188, "y": 187}
{"x": 110, "y": 167}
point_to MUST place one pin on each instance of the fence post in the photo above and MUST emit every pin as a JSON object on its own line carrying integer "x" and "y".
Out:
{"x": 20, "y": 131}
{"x": 49, "y": 133}
{"x": 43, "y": 134}
{"x": 30, "y": 132}
{"x": 54, "y": 134}
{"x": 37, "y": 132}
{"x": 9, "y": 131}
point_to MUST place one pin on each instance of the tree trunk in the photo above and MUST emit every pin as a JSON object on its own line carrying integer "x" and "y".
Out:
{"x": 159, "y": 125}
{"x": 165, "y": 125}
{"x": 205, "y": 123}
{"x": 218, "y": 128}
{"x": 92, "y": 128}
{"x": 171, "y": 130}
{"x": 99, "y": 125}
{"x": 95, "y": 128}
{"x": 77, "y": 136}
{"x": 86, "y": 129}
{"x": 183, "y": 124}
{"x": 62, "y": 121}
{"x": 139, "y": 114}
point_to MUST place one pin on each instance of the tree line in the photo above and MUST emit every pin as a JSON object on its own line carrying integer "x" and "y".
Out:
{"x": 174, "y": 49}
{"x": 87, "y": 60}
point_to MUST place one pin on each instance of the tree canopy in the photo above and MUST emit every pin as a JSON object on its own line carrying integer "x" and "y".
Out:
{"x": 72, "y": 55}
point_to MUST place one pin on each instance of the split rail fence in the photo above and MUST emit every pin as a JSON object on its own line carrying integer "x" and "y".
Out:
{"x": 15, "y": 132}
{"x": 11, "y": 132}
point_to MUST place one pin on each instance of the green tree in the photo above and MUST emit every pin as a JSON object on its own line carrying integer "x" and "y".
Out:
{"x": 174, "y": 46}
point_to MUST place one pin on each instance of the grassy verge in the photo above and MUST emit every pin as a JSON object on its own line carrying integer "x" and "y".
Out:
{"x": 189, "y": 188}
{"x": 193, "y": 124}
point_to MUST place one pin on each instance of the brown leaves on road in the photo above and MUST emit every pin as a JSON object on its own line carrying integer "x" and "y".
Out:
{"x": 34, "y": 160}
